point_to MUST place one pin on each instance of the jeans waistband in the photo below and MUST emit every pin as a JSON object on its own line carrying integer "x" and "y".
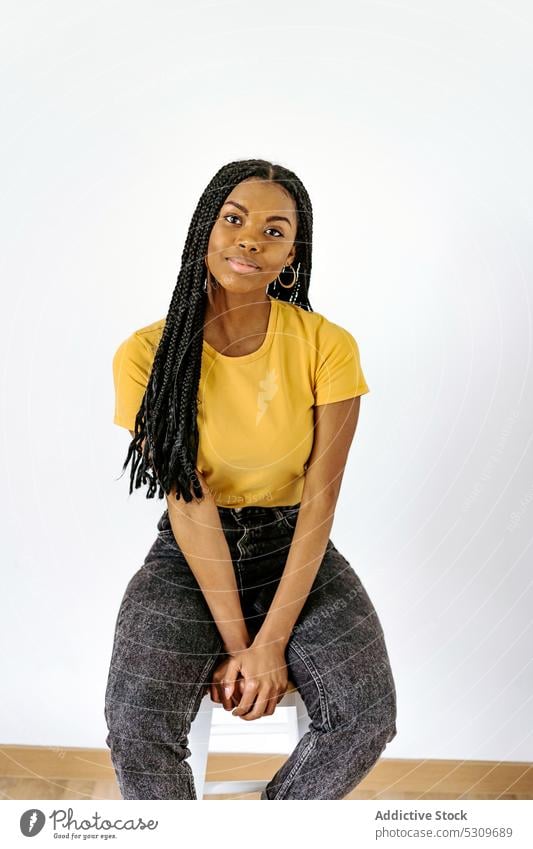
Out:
{"x": 254, "y": 514}
{"x": 249, "y": 516}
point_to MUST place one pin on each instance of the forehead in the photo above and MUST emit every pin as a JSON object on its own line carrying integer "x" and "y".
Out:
{"x": 263, "y": 196}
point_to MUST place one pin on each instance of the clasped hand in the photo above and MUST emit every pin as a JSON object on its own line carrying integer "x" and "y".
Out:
{"x": 252, "y": 680}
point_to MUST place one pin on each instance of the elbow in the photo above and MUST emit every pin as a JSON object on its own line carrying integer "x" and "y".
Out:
{"x": 206, "y": 492}
{"x": 181, "y": 505}
{"x": 321, "y": 499}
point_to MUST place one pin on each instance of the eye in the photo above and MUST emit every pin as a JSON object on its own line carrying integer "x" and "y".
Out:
{"x": 232, "y": 215}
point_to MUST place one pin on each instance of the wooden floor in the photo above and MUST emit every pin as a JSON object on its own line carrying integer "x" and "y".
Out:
{"x": 31, "y": 772}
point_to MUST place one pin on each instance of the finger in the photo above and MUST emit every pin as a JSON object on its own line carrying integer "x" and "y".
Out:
{"x": 249, "y": 693}
{"x": 229, "y": 680}
{"x": 227, "y": 701}
{"x": 271, "y": 705}
{"x": 215, "y": 695}
{"x": 259, "y": 705}
{"x": 237, "y": 693}
{"x": 281, "y": 694}
{"x": 223, "y": 699}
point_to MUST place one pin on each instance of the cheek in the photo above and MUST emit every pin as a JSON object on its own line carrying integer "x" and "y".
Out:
{"x": 217, "y": 243}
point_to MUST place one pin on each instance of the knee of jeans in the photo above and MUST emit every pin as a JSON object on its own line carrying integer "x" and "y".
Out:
{"x": 392, "y": 732}
{"x": 143, "y": 729}
{"x": 369, "y": 703}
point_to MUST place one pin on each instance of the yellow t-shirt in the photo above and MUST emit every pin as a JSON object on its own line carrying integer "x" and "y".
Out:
{"x": 255, "y": 412}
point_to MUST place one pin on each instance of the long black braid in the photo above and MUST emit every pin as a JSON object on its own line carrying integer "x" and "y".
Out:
{"x": 166, "y": 420}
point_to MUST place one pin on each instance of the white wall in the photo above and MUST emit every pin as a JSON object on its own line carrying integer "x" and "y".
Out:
{"x": 410, "y": 125}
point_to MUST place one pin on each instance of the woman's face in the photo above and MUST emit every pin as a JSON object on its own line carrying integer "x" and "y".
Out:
{"x": 257, "y": 223}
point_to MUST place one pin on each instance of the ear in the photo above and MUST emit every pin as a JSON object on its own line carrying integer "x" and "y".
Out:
{"x": 291, "y": 255}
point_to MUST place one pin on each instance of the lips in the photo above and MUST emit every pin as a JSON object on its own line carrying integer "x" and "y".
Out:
{"x": 241, "y": 265}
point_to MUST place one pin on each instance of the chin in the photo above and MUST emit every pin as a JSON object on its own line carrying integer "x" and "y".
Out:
{"x": 238, "y": 283}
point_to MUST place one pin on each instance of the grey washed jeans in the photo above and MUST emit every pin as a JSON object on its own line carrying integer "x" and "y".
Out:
{"x": 166, "y": 645}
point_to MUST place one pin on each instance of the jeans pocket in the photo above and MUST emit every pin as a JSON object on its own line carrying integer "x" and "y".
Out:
{"x": 163, "y": 547}
{"x": 289, "y": 519}
{"x": 167, "y": 538}
{"x": 167, "y": 535}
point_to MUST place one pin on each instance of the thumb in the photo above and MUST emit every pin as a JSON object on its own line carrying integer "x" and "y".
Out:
{"x": 228, "y": 682}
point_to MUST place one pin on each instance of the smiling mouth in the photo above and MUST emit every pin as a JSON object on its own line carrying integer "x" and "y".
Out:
{"x": 241, "y": 265}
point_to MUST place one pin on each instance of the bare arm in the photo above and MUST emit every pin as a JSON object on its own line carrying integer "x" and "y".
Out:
{"x": 198, "y": 532}
{"x": 264, "y": 663}
{"x": 335, "y": 426}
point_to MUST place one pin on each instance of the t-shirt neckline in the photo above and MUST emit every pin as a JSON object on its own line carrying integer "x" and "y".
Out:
{"x": 263, "y": 348}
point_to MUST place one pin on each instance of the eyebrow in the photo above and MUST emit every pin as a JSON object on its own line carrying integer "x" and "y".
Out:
{"x": 270, "y": 217}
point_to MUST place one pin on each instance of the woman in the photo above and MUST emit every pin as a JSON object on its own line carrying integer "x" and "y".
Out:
{"x": 242, "y": 405}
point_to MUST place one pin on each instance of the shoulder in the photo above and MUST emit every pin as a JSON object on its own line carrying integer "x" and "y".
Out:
{"x": 334, "y": 336}
{"x": 150, "y": 335}
{"x": 298, "y": 318}
{"x": 147, "y": 337}
{"x": 325, "y": 333}
{"x": 139, "y": 348}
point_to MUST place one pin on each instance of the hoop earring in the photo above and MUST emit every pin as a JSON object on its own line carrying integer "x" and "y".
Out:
{"x": 294, "y": 277}
{"x": 214, "y": 284}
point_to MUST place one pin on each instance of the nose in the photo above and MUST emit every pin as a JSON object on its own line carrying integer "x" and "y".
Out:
{"x": 248, "y": 244}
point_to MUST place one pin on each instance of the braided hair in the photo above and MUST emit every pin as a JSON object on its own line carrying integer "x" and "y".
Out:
{"x": 164, "y": 446}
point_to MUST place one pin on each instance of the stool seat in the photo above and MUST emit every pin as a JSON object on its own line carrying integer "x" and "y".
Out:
{"x": 198, "y": 743}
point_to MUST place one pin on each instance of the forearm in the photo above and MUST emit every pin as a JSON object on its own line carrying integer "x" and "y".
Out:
{"x": 309, "y": 542}
{"x": 198, "y": 531}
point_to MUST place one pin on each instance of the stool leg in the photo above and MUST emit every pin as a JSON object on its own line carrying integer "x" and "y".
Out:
{"x": 199, "y": 734}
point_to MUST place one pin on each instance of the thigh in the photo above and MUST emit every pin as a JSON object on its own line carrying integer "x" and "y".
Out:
{"x": 165, "y": 646}
{"x": 337, "y": 655}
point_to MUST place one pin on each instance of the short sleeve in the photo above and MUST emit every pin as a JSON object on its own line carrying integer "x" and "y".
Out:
{"x": 338, "y": 374}
{"x": 132, "y": 364}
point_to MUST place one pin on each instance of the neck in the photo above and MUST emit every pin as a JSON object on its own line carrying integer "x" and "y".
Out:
{"x": 228, "y": 311}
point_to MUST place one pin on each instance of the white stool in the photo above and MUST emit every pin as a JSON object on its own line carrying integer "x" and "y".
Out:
{"x": 199, "y": 743}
